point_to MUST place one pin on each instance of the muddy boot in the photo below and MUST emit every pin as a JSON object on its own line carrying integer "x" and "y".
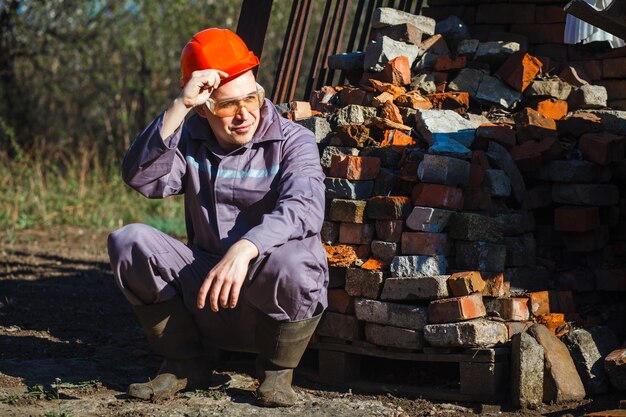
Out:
{"x": 172, "y": 334}
{"x": 281, "y": 345}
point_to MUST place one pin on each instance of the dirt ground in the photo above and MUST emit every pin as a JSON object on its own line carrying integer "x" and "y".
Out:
{"x": 69, "y": 345}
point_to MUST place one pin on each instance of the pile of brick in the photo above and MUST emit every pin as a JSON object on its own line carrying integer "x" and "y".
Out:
{"x": 470, "y": 195}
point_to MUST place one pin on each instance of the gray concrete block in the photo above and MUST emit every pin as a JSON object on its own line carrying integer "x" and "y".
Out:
{"x": 363, "y": 283}
{"x": 395, "y": 337}
{"x": 527, "y": 371}
{"x": 343, "y": 188}
{"x": 387, "y": 16}
{"x": 474, "y": 227}
{"x": 444, "y": 170}
{"x": 380, "y": 51}
{"x": 428, "y": 219}
{"x": 418, "y": 266}
{"x": 415, "y": 288}
{"x": 471, "y": 333}
{"x": 391, "y": 314}
{"x": 480, "y": 256}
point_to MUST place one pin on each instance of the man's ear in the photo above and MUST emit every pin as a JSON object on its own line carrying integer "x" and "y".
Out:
{"x": 202, "y": 111}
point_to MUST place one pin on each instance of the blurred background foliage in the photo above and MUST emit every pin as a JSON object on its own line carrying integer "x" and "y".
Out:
{"x": 79, "y": 79}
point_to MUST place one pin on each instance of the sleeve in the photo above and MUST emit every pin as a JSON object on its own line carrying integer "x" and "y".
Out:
{"x": 299, "y": 211}
{"x": 154, "y": 166}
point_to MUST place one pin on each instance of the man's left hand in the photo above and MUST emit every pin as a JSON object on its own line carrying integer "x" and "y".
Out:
{"x": 224, "y": 281}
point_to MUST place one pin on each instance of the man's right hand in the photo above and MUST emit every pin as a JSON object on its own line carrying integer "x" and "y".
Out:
{"x": 197, "y": 90}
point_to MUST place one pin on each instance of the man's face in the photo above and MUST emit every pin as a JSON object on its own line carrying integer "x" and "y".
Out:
{"x": 234, "y": 131}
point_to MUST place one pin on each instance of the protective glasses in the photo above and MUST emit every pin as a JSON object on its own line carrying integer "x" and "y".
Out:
{"x": 230, "y": 107}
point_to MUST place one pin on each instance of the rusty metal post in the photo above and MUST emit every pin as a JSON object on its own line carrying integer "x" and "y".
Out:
{"x": 252, "y": 24}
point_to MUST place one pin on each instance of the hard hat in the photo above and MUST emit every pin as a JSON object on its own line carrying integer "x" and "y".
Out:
{"x": 219, "y": 49}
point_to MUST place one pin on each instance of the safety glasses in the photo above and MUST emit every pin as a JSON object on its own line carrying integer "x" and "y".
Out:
{"x": 230, "y": 107}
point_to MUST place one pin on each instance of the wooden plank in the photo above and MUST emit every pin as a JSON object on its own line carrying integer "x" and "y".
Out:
{"x": 472, "y": 355}
{"x": 411, "y": 391}
{"x": 252, "y": 24}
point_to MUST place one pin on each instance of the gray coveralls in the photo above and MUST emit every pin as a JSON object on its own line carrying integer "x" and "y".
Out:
{"x": 270, "y": 192}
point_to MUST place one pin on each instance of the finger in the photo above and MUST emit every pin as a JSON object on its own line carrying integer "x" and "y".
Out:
{"x": 234, "y": 294}
{"x": 204, "y": 289}
{"x": 224, "y": 293}
{"x": 214, "y": 293}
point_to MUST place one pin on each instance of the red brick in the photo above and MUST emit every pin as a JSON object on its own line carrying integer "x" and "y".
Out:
{"x": 354, "y": 167}
{"x": 514, "y": 309}
{"x": 438, "y": 196}
{"x": 502, "y": 134}
{"x": 519, "y": 70}
{"x": 436, "y": 42}
{"x": 413, "y": 100}
{"x": 549, "y": 14}
{"x": 455, "y": 309}
{"x": 389, "y": 230}
{"x": 388, "y": 207}
{"x": 495, "y": 285}
{"x": 586, "y": 241}
{"x": 593, "y": 68}
{"x": 397, "y": 139}
{"x": 447, "y": 63}
{"x": 533, "y": 126}
{"x": 574, "y": 75}
{"x": 553, "y": 51}
{"x": 541, "y": 33}
{"x": 527, "y": 157}
{"x": 466, "y": 283}
{"x": 397, "y": 71}
{"x": 466, "y": 13}
{"x": 576, "y": 219}
{"x": 356, "y": 136}
{"x": 616, "y": 89}
{"x": 505, "y": 13}
{"x": 477, "y": 198}
{"x": 423, "y": 243}
{"x": 614, "y": 68}
{"x": 539, "y": 302}
{"x": 602, "y": 148}
{"x": 391, "y": 112}
{"x": 381, "y": 99}
{"x": 320, "y": 99}
{"x": 351, "y": 95}
{"x": 549, "y": 148}
{"x": 613, "y": 279}
{"x": 478, "y": 165}
{"x": 356, "y": 233}
{"x": 619, "y": 104}
{"x": 578, "y": 124}
{"x": 457, "y": 101}
{"x": 552, "y": 108}
{"x": 339, "y": 301}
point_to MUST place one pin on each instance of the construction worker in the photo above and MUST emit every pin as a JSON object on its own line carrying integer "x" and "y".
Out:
{"x": 253, "y": 274}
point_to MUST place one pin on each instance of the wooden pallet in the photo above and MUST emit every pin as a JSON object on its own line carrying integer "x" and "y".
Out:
{"x": 484, "y": 373}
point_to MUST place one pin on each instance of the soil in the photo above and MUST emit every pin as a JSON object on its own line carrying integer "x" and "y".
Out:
{"x": 69, "y": 346}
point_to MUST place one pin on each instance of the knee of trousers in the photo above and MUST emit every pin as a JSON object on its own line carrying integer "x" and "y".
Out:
{"x": 122, "y": 241}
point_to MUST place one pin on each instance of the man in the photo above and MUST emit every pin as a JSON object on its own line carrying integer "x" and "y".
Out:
{"x": 254, "y": 206}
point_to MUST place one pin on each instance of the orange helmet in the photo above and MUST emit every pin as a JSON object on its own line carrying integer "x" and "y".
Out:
{"x": 219, "y": 49}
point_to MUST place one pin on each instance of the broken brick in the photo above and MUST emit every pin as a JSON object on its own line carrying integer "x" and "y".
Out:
{"x": 354, "y": 167}
{"x": 340, "y": 255}
{"x": 465, "y": 283}
{"x": 447, "y": 63}
{"x": 388, "y": 207}
{"x": 531, "y": 125}
{"x": 397, "y": 71}
{"x": 438, "y": 196}
{"x": 391, "y": 112}
{"x": 449, "y": 310}
{"x": 413, "y": 100}
{"x": 502, "y": 134}
{"x": 457, "y": 101}
{"x": 552, "y": 108}
{"x": 519, "y": 70}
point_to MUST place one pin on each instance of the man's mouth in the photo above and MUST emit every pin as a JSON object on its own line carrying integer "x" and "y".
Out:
{"x": 241, "y": 129}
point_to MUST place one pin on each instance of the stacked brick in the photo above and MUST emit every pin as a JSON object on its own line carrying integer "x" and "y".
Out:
{"x": 468, "y": 195}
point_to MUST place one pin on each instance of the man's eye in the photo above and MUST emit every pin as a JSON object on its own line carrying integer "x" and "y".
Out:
{"x": 227, "y": 104}
{"x": 250, "y": 99}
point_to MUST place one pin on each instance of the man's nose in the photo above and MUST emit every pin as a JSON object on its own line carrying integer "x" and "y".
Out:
{"x": 242, "y": 112}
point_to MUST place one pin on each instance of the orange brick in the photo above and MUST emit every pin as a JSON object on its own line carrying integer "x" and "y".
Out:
{"x": 397, "y": 139}
{"x": 555, "y": 322}
{"x": 389, "y": 230}
{"x": 513, "y": 309}
{"x": 478, "y": 165}
{"x": 438, "y": 196}
{"x": 466, "y": 283}
{"x": 519, "y": 70}
{"x": 455, "y": 309}
{"x": 391, "y": 112}
{"x": 397, "y": 71}
{"x": 602, "y": 148}
{"x": 414, "y": 100}
{"x": 502, "y": 134}
{"x": 458, "y": 102}
{"x": 447, "y": 63}
{"x": 374, "y": 265}
{"x": 539, "y": 302}
{"x": 354, "y": 167}
{"x": 340, "y": 255}
{"x": 576, "y": 219}
{"x": 381, "y": 99}
{"x": 424, "y": 243}
{"x": 356, "y": 233}
{"x": 495, "y": 285}
{"x": 383, "y": 87}
{"x": 552, "y": 108}
{"x": 339, "y": 301}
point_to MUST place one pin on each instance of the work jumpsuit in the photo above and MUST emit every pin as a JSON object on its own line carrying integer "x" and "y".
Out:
{"x": 270, "y": 191}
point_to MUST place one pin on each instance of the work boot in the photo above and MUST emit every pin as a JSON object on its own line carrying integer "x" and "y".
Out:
{"x": 173, "y": 335}
{"x": 281, "y": 345}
